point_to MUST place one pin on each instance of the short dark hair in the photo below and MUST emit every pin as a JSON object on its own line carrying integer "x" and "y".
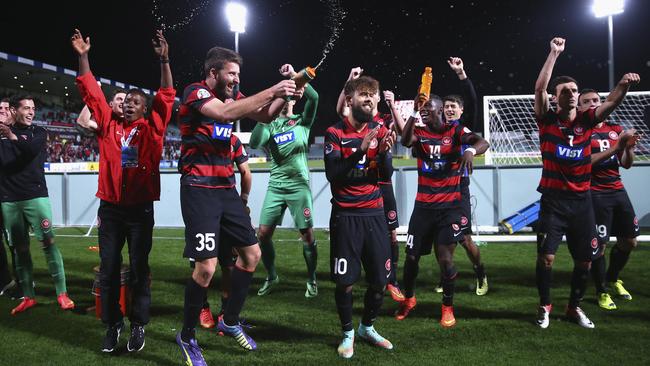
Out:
{"x": 139, "y": 92}
{"x": 454, "y": 98}
{"x": 116, "y": 92}
{"x": 552, "y": 87}
{"x": 14, "y": 102}
{"x": 587, "y": 91}
{"x": 361, "y": 83}
{"x": 435, "y": 101}
{"x": 217, "y": 57}
{"x": 5, "y": 100}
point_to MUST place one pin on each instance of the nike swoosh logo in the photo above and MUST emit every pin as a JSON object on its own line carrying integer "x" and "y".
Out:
{"x": 388, "y": 275}
{"x": 391, "y": 222}
{"x": 345, "y": 142}
{"x": 594, "y": 252}
{"x": 455, "y": 235}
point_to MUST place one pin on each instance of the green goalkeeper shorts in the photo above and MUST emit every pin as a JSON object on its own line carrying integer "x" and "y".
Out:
{"x": 298, "y": 200}
{"x": 20, "y": 215}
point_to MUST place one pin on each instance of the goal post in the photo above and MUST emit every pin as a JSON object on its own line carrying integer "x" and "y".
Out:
{"x": 510, "y": 127}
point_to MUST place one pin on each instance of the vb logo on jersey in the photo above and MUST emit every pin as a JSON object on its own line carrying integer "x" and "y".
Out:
{"x": 568, "y": 153}
{"x": 284, "y": 138}
{"x": 221, "y": 131}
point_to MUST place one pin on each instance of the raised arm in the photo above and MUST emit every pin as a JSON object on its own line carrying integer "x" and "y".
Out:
{"x": 81, "y": 47}
{"x": 341, "y": 107}
{"x": 616, "y": 96}
{"x": 309, "y": 113}
{"x": 470, "y": 100}
{"x": 399, "y": 123}
{"x": 85, "y": 119}
{"x": 541, "y": 96}
{"x": 161, "y": 48}
{"x": 624, "y": 149}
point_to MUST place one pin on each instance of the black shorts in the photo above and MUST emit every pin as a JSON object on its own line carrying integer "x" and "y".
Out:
{"x": 390, "y": 206}
{"x": 465, "y": 206}
{"x": 614, "y": 215}
{"x": 573, "y": 218}
{"x": 433, "y": 226}
{"x": 214, "y": 216}
{"x": 226, "y": 256}
{"x": 357, "y": 241}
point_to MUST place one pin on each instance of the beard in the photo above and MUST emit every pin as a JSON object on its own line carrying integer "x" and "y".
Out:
{"x": 221, "y": 91}
{"x": 360, "y": 114}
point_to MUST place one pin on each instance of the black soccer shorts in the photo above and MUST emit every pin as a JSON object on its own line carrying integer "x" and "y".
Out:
{"x": 433, "y": 226}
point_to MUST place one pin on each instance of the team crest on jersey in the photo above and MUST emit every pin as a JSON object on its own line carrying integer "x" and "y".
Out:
{"x": 202, "y": 94}
{"x": 328, "y": 149}
{"x": 636, "y": 221}
{"x": 306, "y": 212}
{"x": 463, "y": 220}
{"x": 387, "y": 264}
{"x": 578, "y": 130}
{"x": 455, "y": 227}
{"x": 392, "y": 214}
{"x": 613, "y": 135}
{"x": 284, "y": 137}
{"x": 373, "y": 144}
{"x": 291, "y": 122}
{"x": 594, "y": 243}
{"x": 45, "y": 224}
{"x": 446, "y": 140}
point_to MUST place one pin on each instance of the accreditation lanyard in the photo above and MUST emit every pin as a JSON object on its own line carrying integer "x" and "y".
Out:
{"x": 129, "y": 153}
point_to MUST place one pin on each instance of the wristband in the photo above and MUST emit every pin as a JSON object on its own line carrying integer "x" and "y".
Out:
{"x": 472, "y": 150}
{"x": 415, "y": 114}
{"x": 164, "y": 60}
{"x": 244, "y": 196}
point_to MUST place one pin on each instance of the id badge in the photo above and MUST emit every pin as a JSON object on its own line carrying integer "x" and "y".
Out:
{"x": 129, "y": 156}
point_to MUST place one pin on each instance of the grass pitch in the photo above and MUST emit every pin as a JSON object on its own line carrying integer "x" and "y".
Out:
{"x": 496, "y": 329}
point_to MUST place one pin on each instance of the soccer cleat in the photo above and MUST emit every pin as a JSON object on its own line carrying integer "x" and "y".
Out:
{"x": 578, "y": 316}
{"x": 370, "y": 335}
{"x": 346, "y": 347}
{"x": 192, "y": 355}
{"x": 7, "y": 287}
{"x": 482, "y": 286}
{"x": 65, "y": 302}
{"x": 205, "y": 318}
{"x": 136, "y": 341}
{"x": 395, "y": 292}
{"x": 605, "y": 301}
{"x": 237, "y": 332}
{"x": 619, "y": 290}
{"x": 27, "y": 303}
{"x": 112, "y": 337}
{"x": 312, "y": 290}
{"x": 405, "y": 308}
{"x": 543, "y": 313}
{"x": 438, "y": 288}
{"x": 447, "y": 319}
{"x": 268, "y": 286}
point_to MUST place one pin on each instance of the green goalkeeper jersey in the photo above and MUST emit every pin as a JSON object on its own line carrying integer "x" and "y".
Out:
{"x": 287, "y": 141}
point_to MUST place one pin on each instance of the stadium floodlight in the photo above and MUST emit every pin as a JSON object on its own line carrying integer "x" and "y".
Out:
{"x": 236, "y": 15}
{"x": 607, "y": 8}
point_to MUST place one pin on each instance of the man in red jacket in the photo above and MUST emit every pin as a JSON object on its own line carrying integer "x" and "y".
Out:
{"x": 130, "y": 148}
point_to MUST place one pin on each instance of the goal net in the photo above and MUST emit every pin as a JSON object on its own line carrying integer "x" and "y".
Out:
{"x": 510, "y": 127}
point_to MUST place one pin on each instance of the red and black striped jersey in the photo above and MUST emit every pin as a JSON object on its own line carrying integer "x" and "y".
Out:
{"x": 438, "y": 155}
{"x": 354, "y": 175}
{"x": 238, "y": 153}
{"x": 605, "y": 175}
{"x": 566, "y": 154}
{"x": 205, "y": 143}
{"x": 384, "y": 119}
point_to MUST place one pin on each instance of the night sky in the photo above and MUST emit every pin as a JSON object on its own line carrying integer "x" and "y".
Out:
{"x": 503, "y": 43}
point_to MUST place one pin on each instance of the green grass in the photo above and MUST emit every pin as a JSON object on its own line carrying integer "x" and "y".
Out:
{"x": 496, "y": 329}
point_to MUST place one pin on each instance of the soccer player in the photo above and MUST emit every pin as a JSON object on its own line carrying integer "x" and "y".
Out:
{"x": 462, "y": 110}
{"x": 287, "y": 140}
{"x": 25, "y": 201}
{"x": 566, "y": 206}
{"x": 357, "y": 156}
{"x": 611, "y": 147}
{"x": 225, "y": 257}
{"x": 130, "y": 146}
{"x": 437, "y": 215}
{"x": 212, "y": 209}
{"x": 7, "y": 284}
{"x": 391, "y": 121}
